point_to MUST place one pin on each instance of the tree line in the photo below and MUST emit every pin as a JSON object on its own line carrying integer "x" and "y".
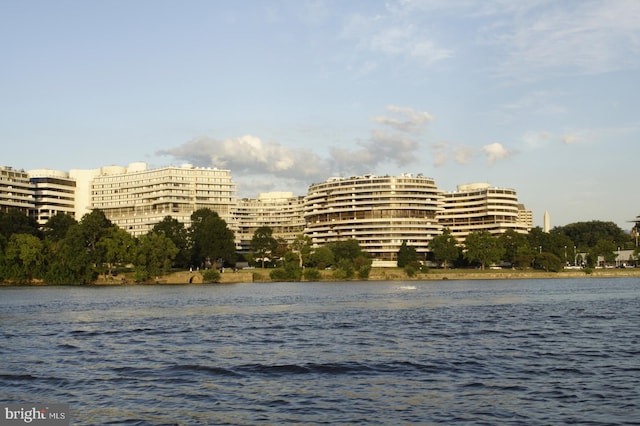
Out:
{"x": 66, "y": 251}
{"x": 579, "y": 244}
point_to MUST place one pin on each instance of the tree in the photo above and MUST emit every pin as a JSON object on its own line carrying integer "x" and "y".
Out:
{"x": 289, "y": 270}
{"x": 444, "y": 248}
{"x": 483, "y": 248}
{"x": 263, "y": 243}
{"x": 211, "y": 239}
{"x": 94, "y": 226}
{"x": 587, "y": 234}
{"x": 16, "y": 222}
{"x": 407, "y": 255}
{"x": 115, "y": 247}
{"x": 23, "y": 258}
{"x": 350, "y": 258}
{"x": 70, "y": 260}
{"x": 154, "y": 255}
{"x": 301, "y": 247}
{"x": 322, "y": 257}
{"x": 548, "y": 261}
{"x": 57, "y": 226}
{"x": 605, "y": 249}
{"x": 514, "y": 244}
{"x": 345, "y": 249}
{"x": 176, "y": 232}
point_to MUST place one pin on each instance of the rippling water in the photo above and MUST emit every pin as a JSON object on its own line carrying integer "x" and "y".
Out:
{"x": 469, "y": 352}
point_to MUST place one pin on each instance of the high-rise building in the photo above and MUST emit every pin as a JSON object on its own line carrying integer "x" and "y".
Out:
{"x": 16, "y": 191}
{"x": 546, "y": 222}
{"x": 379, "y": 211}
{"x": 54, "y": 192}
{"x": 280, "y": 211}
{"x": 525, "y": 217}
{"x": 480, "y": 207}
{"x": 136, "y": 199}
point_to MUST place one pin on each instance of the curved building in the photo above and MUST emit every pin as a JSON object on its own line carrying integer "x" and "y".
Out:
{"x": 54, "y": 192}
{"x": 379, "y": 211}
{"x": 281, "y": 211}
{"x": 480, "y": 207}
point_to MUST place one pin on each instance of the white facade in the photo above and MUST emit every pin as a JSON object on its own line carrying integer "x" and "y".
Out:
{"x": 281, "y": 211}
{"x": 16, "y": 192}
{"x": 480, "y": 207}
{"x": 136, "y": 199}
{"x": 54, "y": 192}
{"x": 379, "y": 211}
{"x": 83, "y": 179}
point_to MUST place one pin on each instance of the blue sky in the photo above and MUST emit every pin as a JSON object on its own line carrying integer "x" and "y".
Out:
{"x": 540, "y": 96}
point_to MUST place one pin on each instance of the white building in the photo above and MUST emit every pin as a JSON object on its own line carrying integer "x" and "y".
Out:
{"x": 281, "y": 211}
{"x": 54, "y": 192}
{"x": 16, "y": 191}
{"x": 379, "y": 211}
{"x": 480, "y": 207}
{"x": 136, "y": 199}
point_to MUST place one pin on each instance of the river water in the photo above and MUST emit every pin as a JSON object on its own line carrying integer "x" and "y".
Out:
{"x": 564, "y": 351}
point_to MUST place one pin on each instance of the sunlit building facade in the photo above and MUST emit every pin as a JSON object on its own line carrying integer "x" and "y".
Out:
{"x": 16, "y": 191}
{"x": 480, "y": 207}
{"x": 281, "y": 211}
{"x": 136, "y": 199}
{"x": 379, "y": 211}
{"x": 54, "y": 192}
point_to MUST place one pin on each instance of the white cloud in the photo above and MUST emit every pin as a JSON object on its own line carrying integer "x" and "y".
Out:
{"x": 249, "y": 154}
{"x": 393, "y": 35}
{"x": 412, "y": 121}
{"x": 442, "y": 151}
{"x": 464, "y": 154}
{"x": 569, "y": 139}
{"x": 495, "y": 152}
{"x": 583, "y": 37}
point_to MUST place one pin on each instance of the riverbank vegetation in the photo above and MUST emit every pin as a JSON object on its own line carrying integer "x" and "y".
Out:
{"x": 65, "y": 251}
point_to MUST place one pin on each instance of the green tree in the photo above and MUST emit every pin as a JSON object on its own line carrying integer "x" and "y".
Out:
{"x": 322, "y": 257}
{"x": 211, "y": 276}
{"x": 94, "y": 226}
{"x": 350, "y": 259}
{"x": 605, "y": 249}
{"x": 263, "y": 244}
{"x": 211, "y": 239}
{"x": 70, "y": 260}
{"x": 444, "y": 248}
{"x": 116, "y": 247}
{"x": 57, "y": 226}
{"x": 16, "y": 222}
{"x": 23, "y": 258}
{"x": 154, "y": 255}
{"x": 515, "y": 244}
{"x": 483, "y": 248}
{"x": 548, "y": 261}
{"x": 289, "y": 269}
{"x": 587, "y": 234}
{"x": 407, "y": 255}
{"x": 345, "y": 249}
{"x": 176, "y": 231}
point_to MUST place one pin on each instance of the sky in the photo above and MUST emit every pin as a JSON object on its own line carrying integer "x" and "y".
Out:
{"x": 540, "y": 96}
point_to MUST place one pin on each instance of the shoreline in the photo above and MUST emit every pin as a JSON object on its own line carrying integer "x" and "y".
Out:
{"x": 259, "y": 276}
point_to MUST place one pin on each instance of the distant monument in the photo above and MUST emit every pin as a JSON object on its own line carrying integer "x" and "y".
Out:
{"x": 546, "y": 227}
